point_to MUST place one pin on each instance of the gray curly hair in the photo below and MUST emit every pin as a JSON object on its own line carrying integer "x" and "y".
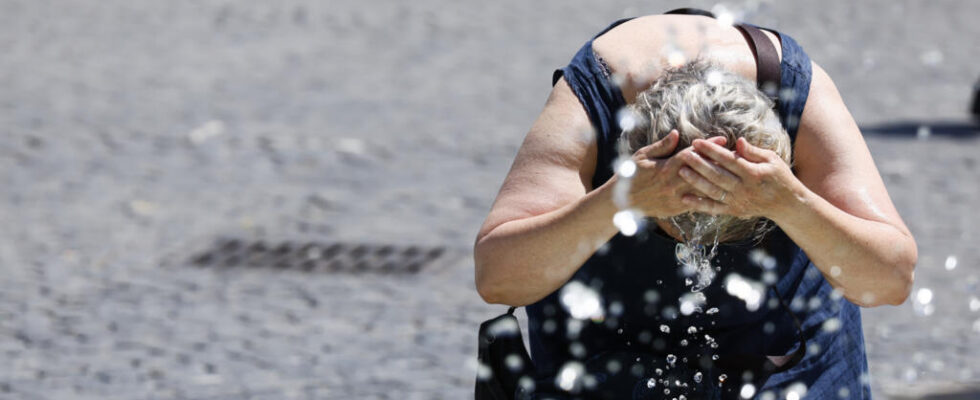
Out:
{"x": 702, "y": 100}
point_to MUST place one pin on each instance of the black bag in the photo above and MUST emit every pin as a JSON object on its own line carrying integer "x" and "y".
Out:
{"x": 502, "y": 359}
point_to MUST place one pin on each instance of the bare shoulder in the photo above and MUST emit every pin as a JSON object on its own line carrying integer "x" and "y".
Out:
{"x": 832, "y": 158}
{"x": 554, "y": 165}
{"x": 638, "y": 50}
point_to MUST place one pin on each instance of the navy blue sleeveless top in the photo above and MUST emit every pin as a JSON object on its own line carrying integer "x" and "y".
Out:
{"x": 640, "y": 283}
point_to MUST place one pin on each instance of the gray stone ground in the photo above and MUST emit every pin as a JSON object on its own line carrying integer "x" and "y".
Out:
{"x": 136, "y": 132}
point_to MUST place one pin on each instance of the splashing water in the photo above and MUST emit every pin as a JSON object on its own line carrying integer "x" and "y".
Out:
{"x": 693, "y": 255}
{"x": 628, "y": 222}
{"x": 923, "y": 302}
{"x": 581, "y": 301}
{"x": 569, "y": 378}
{"x": 748, "y": 390}
{"x": 692, "y": 302}
{"x": 951, "y": 263}
{"x": 796, "y": 391}
{"x": 748, "y": 291}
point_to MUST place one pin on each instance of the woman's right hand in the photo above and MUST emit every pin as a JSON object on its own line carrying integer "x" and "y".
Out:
{"x": 656, "y": 187}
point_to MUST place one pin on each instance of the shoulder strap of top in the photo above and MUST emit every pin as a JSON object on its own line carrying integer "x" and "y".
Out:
{"x": 768, "y": 71}
{"x": 766, "y": 57}
{"x": 691, "y": 11}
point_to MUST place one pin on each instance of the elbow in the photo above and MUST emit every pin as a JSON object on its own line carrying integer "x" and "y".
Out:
{"x": 487, "y": 291}
{"x": 494, "y": 286}
{"x": 905, "y": 277}
{"x": 489, "y": 294}
{"x": 486, "y": 286}
{"x": 899, "y": 286}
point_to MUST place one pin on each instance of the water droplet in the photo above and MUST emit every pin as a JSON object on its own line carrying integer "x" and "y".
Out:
{"x": 204, "y": 132}
{"x": 722, "y": 378}
{"x": 627, "y": 119}
{"x": 628, "y": 222}
{"x": 748, "y": 390}
{"x": 613, "y": 366}
{"x": 910, "y": 374}
{"x": 974, "y": 304}
{"x": 714, "y": 357}
{"x": 714, "y": 78}
{"x": 923, "y": 133}
{"x": 796, "y": 391}
{"x": 924, "y": 296}
{"x": 570, "y": 376}
{"x": 683, "y": 342}
{"x": 664, "y": 328}
{"x": 676, "y": 58}
{"x": 514, "y": 362}
{"x": 671, "y": 359}
{"x": 526, "y": 383}
{"x": 692, "y": 329}
{"x": 762, "y": 259}
{"x": 581, "y": 301}
{"x": 626, "y": 168}
{"x": 659, "y": 371}
{"x": 651, "y": 383}
{"x": 712, "y": 310}
{"x": 932, "y": 57}
{"x": 698, "y": 377}
{"x": 835, "y": 271}
{"x": 724, "y": 16}
{"x": 483, "y": 372}
{"x": 748, "y": 291}
{"x": 831, "y": 324}
{"x": 951, "y": 263}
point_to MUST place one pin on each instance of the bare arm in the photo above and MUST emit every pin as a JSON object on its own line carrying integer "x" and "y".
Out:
{"x": 836, "y": 207}
{"x": 546, "y": 222}
{"x": 844, "y": 217}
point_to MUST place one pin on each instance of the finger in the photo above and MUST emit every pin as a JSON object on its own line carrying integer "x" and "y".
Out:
{"x": 711, "y": 170}
{"x": 719, "y": 140}
{"x": 701, "y": 183}
{"x": 704, "y": 204}
{"x": 750, "y": 151}
{"x": 662, "y": 147}
{"x": 724, "y": 157}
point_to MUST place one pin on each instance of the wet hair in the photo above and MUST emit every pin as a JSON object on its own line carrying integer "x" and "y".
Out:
{"x": 702, "y": 100}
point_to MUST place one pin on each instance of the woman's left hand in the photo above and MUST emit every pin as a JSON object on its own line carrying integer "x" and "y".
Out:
{"x": 748, "y": 182}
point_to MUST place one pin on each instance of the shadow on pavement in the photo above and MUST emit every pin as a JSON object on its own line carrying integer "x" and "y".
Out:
{"x": 923, "y": 129}
{"x": 958, "y": 392}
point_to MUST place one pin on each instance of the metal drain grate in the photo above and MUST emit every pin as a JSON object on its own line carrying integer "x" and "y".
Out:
{"x": 334, "y": 257}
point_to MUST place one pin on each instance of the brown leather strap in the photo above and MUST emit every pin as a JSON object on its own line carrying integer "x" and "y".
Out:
{"x": 766, "y": 60}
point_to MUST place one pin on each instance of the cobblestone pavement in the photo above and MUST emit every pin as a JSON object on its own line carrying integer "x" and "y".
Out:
{"x": 137, "y": 133}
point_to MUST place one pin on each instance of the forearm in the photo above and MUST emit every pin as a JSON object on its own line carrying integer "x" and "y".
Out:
{"x": 521, "y": 261}
{"x": 871, "y": 262}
